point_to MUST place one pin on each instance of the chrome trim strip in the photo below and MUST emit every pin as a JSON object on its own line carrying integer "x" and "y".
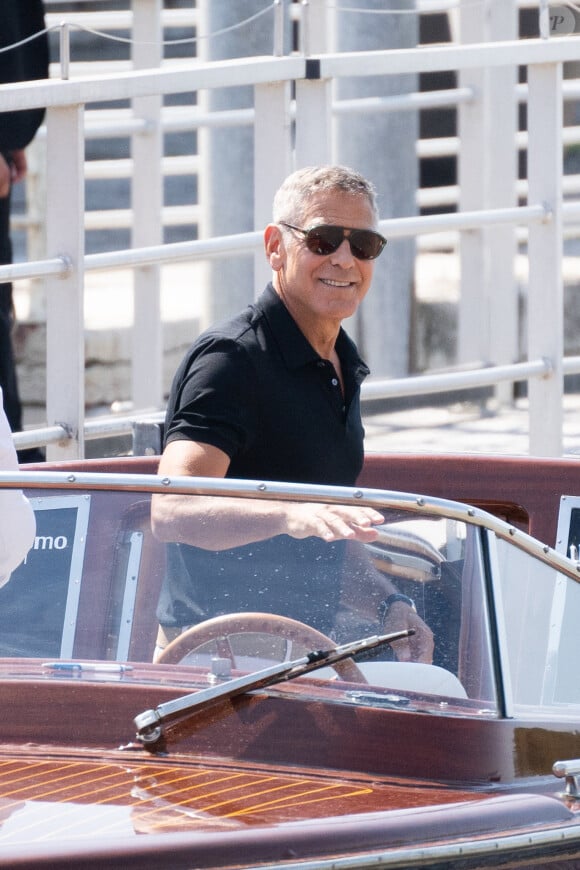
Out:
{"x": 425, "y": 856}
{"x": 413, "y": 502}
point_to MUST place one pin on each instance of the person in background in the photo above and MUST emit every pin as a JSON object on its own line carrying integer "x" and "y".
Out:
{"x": 274, "y": 394}
{"x": 17, "y": 523}
{"x": 19, "y": 19}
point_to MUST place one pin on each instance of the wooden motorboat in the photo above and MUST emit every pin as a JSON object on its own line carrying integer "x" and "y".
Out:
{"x": 247, "y": 744}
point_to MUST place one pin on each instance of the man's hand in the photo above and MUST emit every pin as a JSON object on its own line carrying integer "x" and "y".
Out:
{"x": 332, "y": 522}
{"x": 19, "y": 165}
{"x": 418, "y": 647}
{"x": 11, "y": 170}
{"x": 5, "y": 177}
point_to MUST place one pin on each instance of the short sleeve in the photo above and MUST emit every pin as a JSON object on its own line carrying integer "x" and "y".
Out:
{"x": 214, "y": 398}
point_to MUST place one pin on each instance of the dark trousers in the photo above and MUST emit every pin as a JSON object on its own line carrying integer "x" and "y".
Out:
{"x": 8, "y": 380}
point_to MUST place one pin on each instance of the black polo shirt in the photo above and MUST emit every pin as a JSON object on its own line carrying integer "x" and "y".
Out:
{"x": 255, "y": 388}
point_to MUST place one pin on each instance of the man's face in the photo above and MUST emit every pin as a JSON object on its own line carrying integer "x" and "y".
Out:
{"x": 322, "y": 288}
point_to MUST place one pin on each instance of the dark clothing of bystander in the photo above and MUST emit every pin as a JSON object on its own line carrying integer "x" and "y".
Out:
{"x": 21, "y": 19}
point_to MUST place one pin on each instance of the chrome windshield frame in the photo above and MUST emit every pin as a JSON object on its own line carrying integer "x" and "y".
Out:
{"x": 411, "y": 502}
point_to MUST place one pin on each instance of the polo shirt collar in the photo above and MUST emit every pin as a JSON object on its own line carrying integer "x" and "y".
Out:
{"x": 294, "y": 347}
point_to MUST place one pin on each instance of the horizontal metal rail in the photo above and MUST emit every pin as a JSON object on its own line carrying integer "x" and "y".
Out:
{"x": 98, "y": 427}
{"x": 373, "y": 390}
{"x": 424, "y": 385}
{"x": 117, "y": 19}
{"x": 181, "y": 164}
{"x": 397, "y": 228}
{"x": 263, "y": 70}
{"x": 384, "y": 499}
{"x": 510, "y": 53}
{"x": 250, "y": 242}
{"x": 119, "y": 218}
{"x": 119, "y": 123}
{"x": 141, "y": 83}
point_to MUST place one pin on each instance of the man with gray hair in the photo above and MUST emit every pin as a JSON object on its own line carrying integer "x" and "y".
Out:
{"x": 274, "y": 394}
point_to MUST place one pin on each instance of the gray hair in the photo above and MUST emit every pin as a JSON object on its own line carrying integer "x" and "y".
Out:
{"x": 291, "y": 199}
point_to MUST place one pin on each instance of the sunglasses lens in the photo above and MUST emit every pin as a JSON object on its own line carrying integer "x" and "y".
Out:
{"x": 366, "y": 245}
{"x": 324, "y": 240}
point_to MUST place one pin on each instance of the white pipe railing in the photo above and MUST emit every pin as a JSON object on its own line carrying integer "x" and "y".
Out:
{"x": 117, "y": 123}
{"x": 174, "y": 118}
{"x": 424, "y": 385}
{"x": 65, "y": 97}
{"x": 178, "y": 120}
{"x": 372, "y": 390}
{"x": 250, "y": 242}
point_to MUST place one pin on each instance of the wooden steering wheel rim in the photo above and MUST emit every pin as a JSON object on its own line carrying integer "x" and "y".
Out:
{"x": 257, "y": 623}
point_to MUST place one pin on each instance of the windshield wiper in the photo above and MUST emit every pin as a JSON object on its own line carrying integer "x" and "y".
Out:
{"x": 150, "y": 723}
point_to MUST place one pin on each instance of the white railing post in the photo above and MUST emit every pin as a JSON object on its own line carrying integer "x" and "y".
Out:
{"x": 545, "y": 288}
{"x": 383, "y": 147}
{"x": 316, "y": 26}
{"x": 501, "y": 155}
{"x": 36, "y": 223}
{"x": 65, "y": 344}
{"x": 487, "y": 172}
{"x": 147, "y": 203}
{"x": 313, "y": 122}
{"x": 226, "y": 186}
{"x": 472, "y": 316}
{"x": 314, "y": 96}
{"x": 272, "y": 160}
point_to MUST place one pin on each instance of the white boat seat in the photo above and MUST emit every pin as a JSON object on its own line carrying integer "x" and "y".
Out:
{"x": 413, "y": 677}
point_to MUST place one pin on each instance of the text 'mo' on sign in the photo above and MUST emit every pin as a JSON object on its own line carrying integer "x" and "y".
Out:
{"x": 39, "y": 604}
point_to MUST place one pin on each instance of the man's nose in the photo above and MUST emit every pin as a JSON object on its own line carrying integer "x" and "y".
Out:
{"x": 343, "y": 255}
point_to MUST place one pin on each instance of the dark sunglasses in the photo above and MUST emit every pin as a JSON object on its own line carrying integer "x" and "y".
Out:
{"x": 326, "y": 239}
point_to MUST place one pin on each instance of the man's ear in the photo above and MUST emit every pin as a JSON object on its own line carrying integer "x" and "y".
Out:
{"x": 274, "y": 245}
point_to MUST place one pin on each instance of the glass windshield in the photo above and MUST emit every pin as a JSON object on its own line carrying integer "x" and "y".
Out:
{"x": 99, "y": 585}
{"x": 539, "y": 614}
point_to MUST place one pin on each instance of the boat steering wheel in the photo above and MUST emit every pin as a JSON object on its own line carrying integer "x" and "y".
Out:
{"x": 221, "y": 628}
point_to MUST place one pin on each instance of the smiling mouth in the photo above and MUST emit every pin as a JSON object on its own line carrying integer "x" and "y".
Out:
{"x": 332, "y": 283}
